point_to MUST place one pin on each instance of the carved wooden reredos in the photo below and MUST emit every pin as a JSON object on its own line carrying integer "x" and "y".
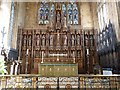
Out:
{"x": 57, "y": 42}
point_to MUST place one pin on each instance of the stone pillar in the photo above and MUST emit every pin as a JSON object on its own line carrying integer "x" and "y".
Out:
{"x": 19, "y": 16}
{"x": 5, "y": 8}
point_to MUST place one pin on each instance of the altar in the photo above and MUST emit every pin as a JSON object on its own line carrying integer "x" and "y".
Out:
{"x": 47, "y": 69}
{"x": 57, "y": 49}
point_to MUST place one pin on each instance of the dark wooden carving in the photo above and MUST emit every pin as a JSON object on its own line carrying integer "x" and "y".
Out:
{"x": 67, "y": 43}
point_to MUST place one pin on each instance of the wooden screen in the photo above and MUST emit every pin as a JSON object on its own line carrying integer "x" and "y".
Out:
{"x": 57, "y": 42}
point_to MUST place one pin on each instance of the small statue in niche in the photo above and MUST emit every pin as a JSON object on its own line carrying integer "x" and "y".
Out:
{"x": 58, "y": 39}
{"x": 78, "y": 39}
{"x": 43, "y": 40}
{"x": 79, "y": 54}
{"x": 86, "y": 40}
{"x": 37, "y": 40}
{"x": 29, "y": 42}
{"x": 65, "y": 24}
{"x": 73, "y": 54}
{"x": 24, "y": 41}
{"x": 37, "y": 54}
{"x": 73, "y": 40}
{"x": 51, "y": 40}
{"x": 58, "y": 22}
{"x": 92, "y": 40}
{"x": 65, "y": 40}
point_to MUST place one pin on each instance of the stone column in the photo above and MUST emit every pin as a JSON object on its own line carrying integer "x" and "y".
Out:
{"x": 19, "y": 17}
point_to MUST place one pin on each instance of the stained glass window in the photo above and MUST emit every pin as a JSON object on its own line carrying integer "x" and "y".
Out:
{"x": 46, "y": 19}
{"x": 72, "y": 13}
{"x": 52, "y": 10}
{"x": 70, "y": 17}
{"x": 64, "y": 10}
{"x": 69, "y": 11}
{"x": 43, "y": 13}
{"x": 75, "y": 14}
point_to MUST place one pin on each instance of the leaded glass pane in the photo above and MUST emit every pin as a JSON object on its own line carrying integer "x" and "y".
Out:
{"x": 70, "y": 14}
{"x": 64, "y": 10}
{"x": 75, "y": 14}
{"x": 52, "y": 10}
{"x": 46, "y": 14}
{"x": 41, "y": 14}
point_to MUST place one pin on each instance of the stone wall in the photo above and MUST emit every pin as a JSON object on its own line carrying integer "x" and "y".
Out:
{"x": 118, "y": 10}
{"x": 94, "y": 15}
{"x": 31, "y": 15}
{"x": 19, "y": 17}
{"x": 86, "y": 15}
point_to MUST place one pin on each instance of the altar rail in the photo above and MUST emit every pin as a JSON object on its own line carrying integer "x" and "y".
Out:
{"x": 60, "y": 83}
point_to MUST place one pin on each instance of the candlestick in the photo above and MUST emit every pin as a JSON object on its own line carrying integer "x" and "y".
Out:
{"x": 26, "y": 64}
{"x": 26, "y": 70}
{"x": 57, "y": 58}
{"x": 42, "y": 56}
{"x": 87, "y": 51}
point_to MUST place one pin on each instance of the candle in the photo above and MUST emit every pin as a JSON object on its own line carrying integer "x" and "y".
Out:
{"x": 16, "y": 68}
{"x": 42, "y": 56}
{"x": 27, "y": 51}
{"x": 74, "y": 60}
{"x": 87, "y": 51}
{"x": 11, "y": 70}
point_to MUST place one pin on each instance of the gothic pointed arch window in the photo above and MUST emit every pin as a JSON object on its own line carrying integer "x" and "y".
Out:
{"x": 43, "y": 13}
{"x": 72, "y": 13}
{"x": 46, "y": 13}
{"x": 70, "y": 21}
{"x": 75, "y": 14}
{"x": 69, "y": 12}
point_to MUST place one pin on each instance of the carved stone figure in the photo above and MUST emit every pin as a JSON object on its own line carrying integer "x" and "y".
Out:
{"x": 29, "y": 42}
{"x": 65, "y": 24}
{"x": 73, "y": 53}
{"x": 58, "y": 23}
{"x": 73, "y": 40}
{"x": 65, "y": 40}
{"x": 51, "y": 40}
{"x": 37, "y": 40}
{"x": 24, "y": 42}
{"x": 58, "y": 39}
{"x": 43, "y": 40}
{"x": 78, "y": 40}
{"x": 78, "y": 54}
